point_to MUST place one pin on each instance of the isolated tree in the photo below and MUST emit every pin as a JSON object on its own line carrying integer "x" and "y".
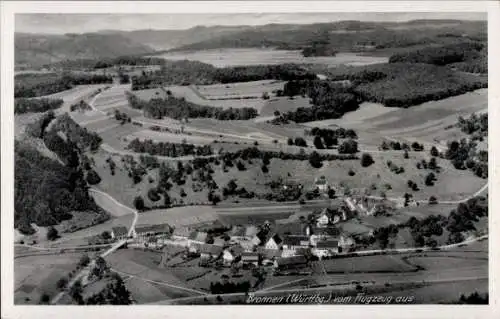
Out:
{"x": 348, "y": 147}
{"x": 433, "y": 200}
{"x": 106, "y": 235}
{"x": 299, "y": 141}
{"x": 315, "y": 160}
{"x": 52, "y": 233}
{"x": 44, "y": 298}
{"x": 366, "y": 160}
{"x": 331, "y": 193}
{"x": 240, "y": 166}
{"x": 166, "y": 199}
{"x": 406, "y": 155}
{"x": 429, "y": 179}
{"x": 265, "y": 96}
{"x": 139, "y": 203}
{"x": 61, "y": 283}
{"x": 264, "y": 169}
{"x": 290, "y": 141}
{"x": 182, "y": 192}
{"x": 330, "y": 141}
{"x": 84, "y": 260}
{"x": 432, "y": 163}
{"x": 93, "y": 178}
{"x": 434, "y": 151}
{"x": 351, "y": 172}
{"x": 318, "y": 143}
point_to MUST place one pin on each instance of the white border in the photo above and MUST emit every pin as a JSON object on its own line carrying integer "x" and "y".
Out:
{"x": 414, "y": 311}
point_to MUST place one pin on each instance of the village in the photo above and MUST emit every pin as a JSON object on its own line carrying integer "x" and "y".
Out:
{"x": 283, "y": 246}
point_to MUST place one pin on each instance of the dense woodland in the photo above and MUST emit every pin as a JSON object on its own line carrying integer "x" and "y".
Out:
{"x": 33, "y": 85}
{"x": 406, "y": 84}
{"x": 329, "y": 100}
{"x": 180, "y": 109}
{"x": 197, "y": 73}
{"x": 22, "y": 105}
{"x": 46, "y": 191}
{"x": 168, "y": 149}
{"x": 441, "y": 55}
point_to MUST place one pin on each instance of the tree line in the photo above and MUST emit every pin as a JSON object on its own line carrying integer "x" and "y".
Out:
{"x": 181, "y": 109}
{"x": 168, "y": 149}
{"x": 23, "y": 105}
{"x": 27, "y": 86}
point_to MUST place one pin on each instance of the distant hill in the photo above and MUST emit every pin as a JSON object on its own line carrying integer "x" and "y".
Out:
{"x": 39, "y": 49}
{"x": 348, "y": 35}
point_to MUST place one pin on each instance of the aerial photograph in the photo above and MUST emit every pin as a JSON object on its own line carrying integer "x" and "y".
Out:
{"x": 216, "y": 159}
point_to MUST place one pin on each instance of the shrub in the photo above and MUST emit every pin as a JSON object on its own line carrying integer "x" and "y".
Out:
{"x": 139, "y": 203}
{"x": 93, "y": 178}
{"x": 153, "y": 195}
{"x": 433, "y": 200}
{"x": 351, "y": 172}
{"x": 52, "y": 233}
{"x": 366, "y": 160}
{"x": 348, "y": 147}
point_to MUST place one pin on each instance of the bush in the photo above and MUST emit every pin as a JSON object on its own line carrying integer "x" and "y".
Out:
{"x": 351, "y": 172}
{"x": 139, "y": 203}
{"x": 433, "y": 200}
{"x": 318, "y": 143}
{"x": 348, "y": 147}
{"x": 153, "y": 195}
{"x": 315, "y": 160}
{"x": 52, "y": 233}
{"x": 366, "y": 160}
{"x": 93, "y": 178}
{"x": 264, "y": 168}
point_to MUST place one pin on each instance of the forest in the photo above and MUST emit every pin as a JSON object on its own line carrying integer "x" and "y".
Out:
{"x": 168, "y": 149}
{"x": 34, "y": 85}
{"x": 22, "y": 105}
{"x": 407, "y": 84}
{"x": 197, "y": 73}
{"x": 329, "y": 101}
{"x": 180, "y": 109}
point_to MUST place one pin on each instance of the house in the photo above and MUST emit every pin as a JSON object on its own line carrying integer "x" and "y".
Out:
{"x": 351, "y": 204}
{"x": 231, "y": 254}
{"x": 283, "y": 263}
{"x": 247, "y": 245}
{"x": 181, "y": 233}
{"x": 248, "y": 258}
{"x": 321, "y": 184}
{"x": 292, "y": 243}
{"x": 197, "y": 237}
{"x": 274, "y": 242}
{"x": 346, "y": 243}
{"x": 325, "y": 248}
{"x": 323, "y": 219}
{"x": 318, "y": 234}
{"x": 143, "y": 231}
{"x": 219, "y": 242}
{"x": 208, "y": 251}
{"x": 239, "y": 233}
{"x": 119, "y": 232}
{"x": 260, "y": 237}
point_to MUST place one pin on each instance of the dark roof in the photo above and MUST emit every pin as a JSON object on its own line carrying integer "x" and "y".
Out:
{"x": 119, "y": 230}
{"x": 160, "y": 228}
{"x": 328, "y": 231}
{"x": 182, "y": 231}
{"x": 250, "y": 256}
{"x": 327, "y": 244}
{"x": 236, "y": 250}
{"x": 283, "y": 261}
{"x": 198, "y": 236}
{"x": 208, "y": 249}
{"x": 277, "y": 239}
{"x": 294, "y": 240}
{"x": 269, "y": 253}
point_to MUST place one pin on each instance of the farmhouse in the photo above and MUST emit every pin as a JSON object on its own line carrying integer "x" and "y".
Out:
{"x": 250, "y": 258}
{"x": 321, "y": 184}
{"x": 231, "y": 254}
{"x": 325, "y": 248}
{"x": 119, "y": 232}
{"x": 208, "y": 251}
{"x": 318, "y": 234}
{"x": 143, "y": 231}
{"x": 181, "y": 233}
{"x": 292, "y": 243}
{"x": 197, "y": 237}
{"x": 323, "y": 219}
{"x": 290, "y": 262}
{"x": 274, "y": 242}
{"x": 346, "y": 243}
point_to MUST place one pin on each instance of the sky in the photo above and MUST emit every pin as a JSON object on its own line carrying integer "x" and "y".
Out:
{"x": 81, "y": 23}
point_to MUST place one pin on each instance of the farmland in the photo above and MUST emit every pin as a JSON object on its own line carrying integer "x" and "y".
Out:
{"x": 36, "y": 275}
{"x": 236, "y": 57}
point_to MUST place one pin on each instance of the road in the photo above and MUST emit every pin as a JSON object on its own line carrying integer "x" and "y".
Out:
{"x": 85, "y": 271}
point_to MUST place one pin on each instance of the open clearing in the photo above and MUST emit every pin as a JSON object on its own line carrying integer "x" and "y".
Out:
{"x": 238, "y": 89}
{"x": 35, "y": 275}
{"x": 254, "y": 56}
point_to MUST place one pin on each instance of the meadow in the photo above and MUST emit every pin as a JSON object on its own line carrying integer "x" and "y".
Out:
{"x": 255, "y": 56}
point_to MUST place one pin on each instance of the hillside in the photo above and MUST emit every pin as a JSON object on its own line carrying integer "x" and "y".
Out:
{"x": 349, "y": 35}
{"x": 39, "y": 49}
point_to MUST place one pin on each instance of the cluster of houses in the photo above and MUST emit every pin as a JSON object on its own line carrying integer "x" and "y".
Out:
{"x": 252, "y": 245}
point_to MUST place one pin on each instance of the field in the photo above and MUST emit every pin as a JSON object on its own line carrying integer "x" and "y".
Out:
{"x": 424, "y": 122}
{"x": 252, "y": 56}
{"x": 35, "y": 275}
{"x": 148, "y": 282}
{"x": 238, "y": 90}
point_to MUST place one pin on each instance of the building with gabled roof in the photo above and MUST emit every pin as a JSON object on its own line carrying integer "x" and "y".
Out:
{"x": 119, "y": 232}
{"x": 274, "y": 242}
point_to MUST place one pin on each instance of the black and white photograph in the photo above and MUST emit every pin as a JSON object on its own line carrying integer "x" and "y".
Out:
{"x": 295, "y": 158}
